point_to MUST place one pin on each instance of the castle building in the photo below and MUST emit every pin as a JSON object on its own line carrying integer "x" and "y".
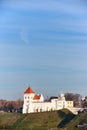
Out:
{"x": 35, "y": 102}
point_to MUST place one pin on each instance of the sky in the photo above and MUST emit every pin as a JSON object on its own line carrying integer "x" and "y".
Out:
{"x": 43, "y": 44}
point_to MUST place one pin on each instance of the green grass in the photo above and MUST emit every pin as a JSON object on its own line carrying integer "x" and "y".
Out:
{"x": 78, "y": 120}
{"x": 36, "y": 121}
{"x": 8, "y": 119}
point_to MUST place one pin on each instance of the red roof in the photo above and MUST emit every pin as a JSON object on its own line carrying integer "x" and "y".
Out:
{"x": 29, "y": 90}
{"x": 36, "y": 97}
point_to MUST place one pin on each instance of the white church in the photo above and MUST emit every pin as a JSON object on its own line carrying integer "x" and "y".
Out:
{"x": 35, "y": 102}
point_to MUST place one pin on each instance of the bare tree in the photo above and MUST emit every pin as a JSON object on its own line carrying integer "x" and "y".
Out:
{"x": 74, "y": 97}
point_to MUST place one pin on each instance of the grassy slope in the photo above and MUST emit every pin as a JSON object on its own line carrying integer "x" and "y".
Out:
{"x": 36, "y": 121}
{"x": 78, "y": 120}
{"x": 8, "y": 119}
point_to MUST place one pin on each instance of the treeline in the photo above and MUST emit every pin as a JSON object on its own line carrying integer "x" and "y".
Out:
{"x": 10, "y": 106}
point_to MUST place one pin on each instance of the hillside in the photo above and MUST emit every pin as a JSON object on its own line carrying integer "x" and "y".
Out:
{"x": 58, "y": 120}
{"x": 36, "y": 121}
{"x": 78, "y": 120}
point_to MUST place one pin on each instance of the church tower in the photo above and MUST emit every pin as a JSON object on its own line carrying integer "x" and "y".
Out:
{"x": 28, "y": 98}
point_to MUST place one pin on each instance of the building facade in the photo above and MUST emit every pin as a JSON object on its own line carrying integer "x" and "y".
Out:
{"x": 35, "y": 102}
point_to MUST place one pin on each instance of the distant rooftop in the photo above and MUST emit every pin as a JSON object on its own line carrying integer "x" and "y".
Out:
{"x": 29, "y": 90}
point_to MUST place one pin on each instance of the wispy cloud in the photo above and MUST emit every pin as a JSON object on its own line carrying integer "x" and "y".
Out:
{"x": 71, "y": 6}
{"x": 24, "y": 36}
{"x": 53, "y": 33}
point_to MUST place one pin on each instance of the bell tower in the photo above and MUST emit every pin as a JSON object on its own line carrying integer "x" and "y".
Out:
{"x": 28, "y": 97}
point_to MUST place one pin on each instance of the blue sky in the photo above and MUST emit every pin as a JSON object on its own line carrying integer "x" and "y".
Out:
{"x": 43, "y": 44}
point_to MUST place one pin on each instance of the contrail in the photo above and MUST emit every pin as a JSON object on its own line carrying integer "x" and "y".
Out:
{"x": 24, "y": 37}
